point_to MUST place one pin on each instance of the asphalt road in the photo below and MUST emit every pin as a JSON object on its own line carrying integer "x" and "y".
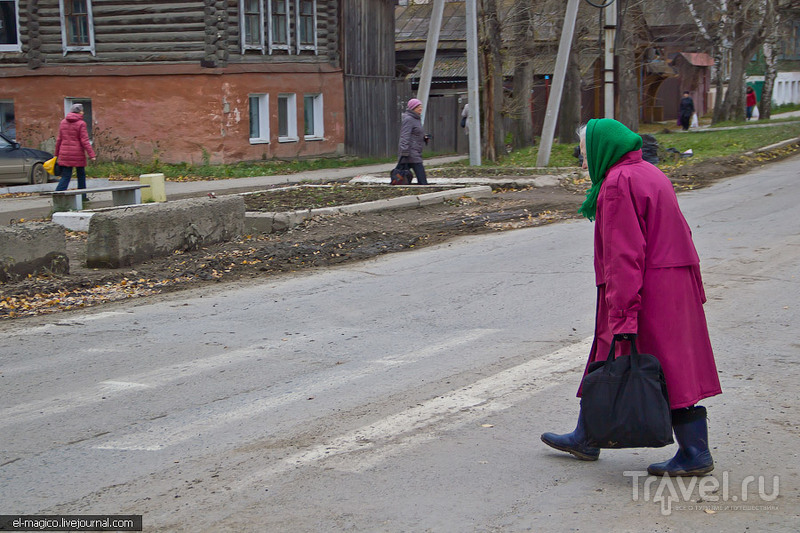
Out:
{"x": 406, "y": 393}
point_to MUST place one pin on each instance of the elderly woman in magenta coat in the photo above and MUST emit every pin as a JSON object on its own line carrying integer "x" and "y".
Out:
{"x": 647, "y": 273}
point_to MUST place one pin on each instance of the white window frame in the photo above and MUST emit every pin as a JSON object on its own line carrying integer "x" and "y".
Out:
{"x": 65, "y": 46}
{"x": 272, "y": 45}
{"x": 14, "y": 47}
{"x": 263, "y": 118}
{"x": 319, "y": 130}
{"x": 291, "y": 118}
{"x": 245, "y": 45}
{"x": 301, "y": 47}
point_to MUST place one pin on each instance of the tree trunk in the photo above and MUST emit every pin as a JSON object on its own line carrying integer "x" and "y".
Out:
{"x": 520, "y": 108}
{"x": 628, "y": 82}
{"x": 747, "y": 36}
{"x": 773, "y": 22}
{"x": 494, "y": 142}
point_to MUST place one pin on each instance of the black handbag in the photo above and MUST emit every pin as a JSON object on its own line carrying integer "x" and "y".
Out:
{"x": 624, "y": 402}
{"x": 400, "y": 175}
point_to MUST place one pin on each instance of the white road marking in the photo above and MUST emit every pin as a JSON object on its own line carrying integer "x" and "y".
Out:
{"x": 167, "y": 433}
{"x": 421, "y": 423}
{"x": 103, "y": 391}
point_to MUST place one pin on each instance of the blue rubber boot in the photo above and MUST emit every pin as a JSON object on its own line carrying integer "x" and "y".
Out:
{"x": 693, "y": 457}
{"x": 574, "y": 443}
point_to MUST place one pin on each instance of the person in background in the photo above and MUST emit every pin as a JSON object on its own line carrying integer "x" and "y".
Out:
{"x": 72, "y": 145}
{"x": 751, "y": 102}
{"x": 649, "y": 287}
{"x": 413, "y": 140}
{"x": 465, "y": 119}
{"x": 685, "y": 110}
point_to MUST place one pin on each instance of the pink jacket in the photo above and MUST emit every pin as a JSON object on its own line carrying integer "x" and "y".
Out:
{"x": 72, "y": 143}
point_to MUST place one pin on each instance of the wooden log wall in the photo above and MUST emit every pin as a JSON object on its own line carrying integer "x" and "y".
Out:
{"x": 199, "y": 31}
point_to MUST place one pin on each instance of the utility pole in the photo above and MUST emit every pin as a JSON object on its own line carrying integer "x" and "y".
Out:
{"x": 431, "y": 45}
{"x": 472, "y": 83}
{"x": 554, "y": 102}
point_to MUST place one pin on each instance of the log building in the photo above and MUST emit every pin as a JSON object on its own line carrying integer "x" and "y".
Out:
{"x": 189, "y": 80}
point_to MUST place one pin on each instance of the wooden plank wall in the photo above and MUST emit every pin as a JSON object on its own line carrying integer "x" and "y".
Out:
{"x": 168, "y": 31}
{"x": 367, "y": 59}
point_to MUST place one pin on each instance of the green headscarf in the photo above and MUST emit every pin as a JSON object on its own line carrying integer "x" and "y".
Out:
{"x": 606, "y": 142}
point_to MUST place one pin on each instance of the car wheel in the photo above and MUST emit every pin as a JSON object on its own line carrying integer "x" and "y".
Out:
{"x": 38, "y": 174}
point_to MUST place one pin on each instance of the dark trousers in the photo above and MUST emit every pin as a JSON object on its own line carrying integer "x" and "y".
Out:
{"x": 66, "y": 175}
{"x": 419, "y": 172}
{"x": 685, "y": 121}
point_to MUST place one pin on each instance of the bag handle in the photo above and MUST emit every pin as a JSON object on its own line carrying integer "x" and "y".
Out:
{"x": 612, "y": 352}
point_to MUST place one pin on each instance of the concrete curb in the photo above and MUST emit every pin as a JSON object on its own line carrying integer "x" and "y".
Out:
{"x": 775, "y": 146}
{"x": 547, "y": 180}
{"x": 256, "y": 222}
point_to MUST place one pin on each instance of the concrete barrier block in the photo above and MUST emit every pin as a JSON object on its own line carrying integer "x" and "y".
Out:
{"x": 125, "y": 237}
{"x": 73, "y": 220}
{"x": 32, "y": 248}
{"x": 256, "y": 222}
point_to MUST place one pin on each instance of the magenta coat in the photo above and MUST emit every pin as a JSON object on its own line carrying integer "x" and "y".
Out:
{"x": 72, "y": 143}
{"x": 648, "y": 279}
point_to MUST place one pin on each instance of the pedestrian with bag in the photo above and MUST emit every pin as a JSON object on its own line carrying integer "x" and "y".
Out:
{"x": 649, "y": 288}
{"x": 413, "y": 140}
{"x": 72, "y": 145}
{"x": 685, "y": 110}
{"x": 751, "y": 102}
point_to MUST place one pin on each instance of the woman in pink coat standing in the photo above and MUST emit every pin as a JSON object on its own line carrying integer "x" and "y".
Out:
{"x": 647, "y": 273}
{"x": 72, "y": 145}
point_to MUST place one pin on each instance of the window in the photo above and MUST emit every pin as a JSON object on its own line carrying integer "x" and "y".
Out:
{"x": 287, "y": 118}
{"x": 9, "y": 26}
{"x": 8, "y": 124}
{"x": 77, "y": 26}
{"x": 87, "y": 110}
{"x": 259, "y": 118}
{"x": 279, "y": 25}
{"x": 312, "y": 116}
{"x": 306, "y": 25}
{"x": 252, "y": 23}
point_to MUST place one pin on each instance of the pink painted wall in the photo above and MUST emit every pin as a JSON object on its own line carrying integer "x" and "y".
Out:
{"x": 183, "y": 117}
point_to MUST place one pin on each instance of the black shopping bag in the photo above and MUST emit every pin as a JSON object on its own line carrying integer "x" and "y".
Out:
{"x": 624, "y": 402}
{"x": 400, "y": 175}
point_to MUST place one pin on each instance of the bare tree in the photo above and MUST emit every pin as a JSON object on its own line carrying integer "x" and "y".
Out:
{"x": 748, "y": 36}
{"x": 771, "y": 45}
{"x": 715, "y": 35}
{"x": 520, "y": 50}
{"x": 736, "y": 28}
{"x": 492, "y": 65}
{"x": 630, "y": 22}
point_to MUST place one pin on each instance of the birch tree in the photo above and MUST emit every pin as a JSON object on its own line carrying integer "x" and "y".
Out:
{"x": 736, "y": 29}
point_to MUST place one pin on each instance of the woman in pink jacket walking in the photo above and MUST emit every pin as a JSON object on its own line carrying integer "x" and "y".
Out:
{"x": 72, "y": 145}
{"x": 647, "y": 273}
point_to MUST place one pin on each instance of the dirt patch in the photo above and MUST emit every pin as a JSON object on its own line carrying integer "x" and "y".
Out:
{"x": 327, "y": 195}
{"x": 327, "y": 241}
